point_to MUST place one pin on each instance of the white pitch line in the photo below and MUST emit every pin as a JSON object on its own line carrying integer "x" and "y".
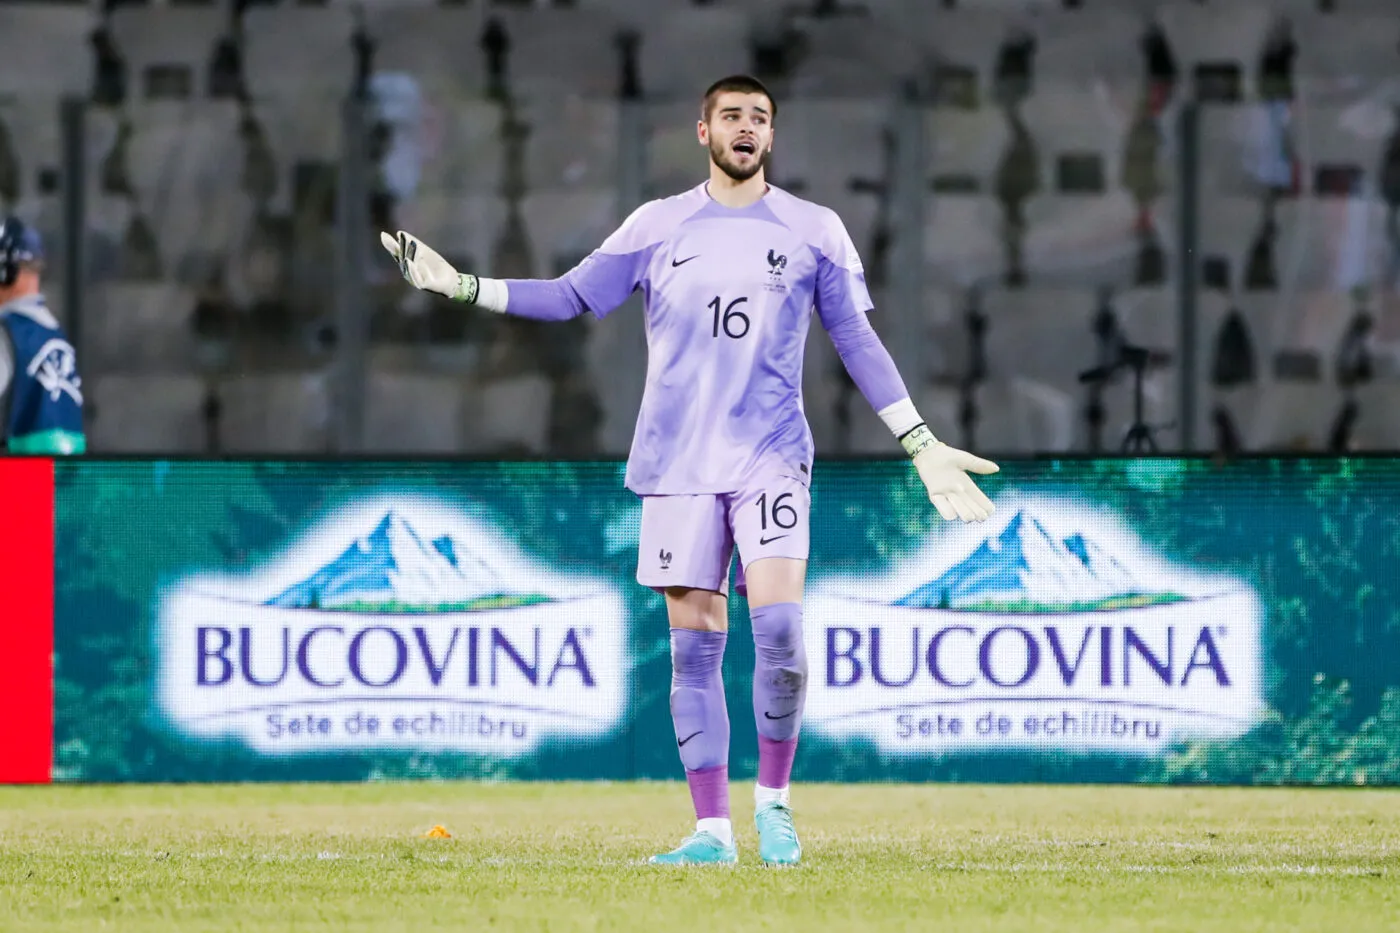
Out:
{"x": 1015, "y": 868}
{"x": 1284, "y": 869}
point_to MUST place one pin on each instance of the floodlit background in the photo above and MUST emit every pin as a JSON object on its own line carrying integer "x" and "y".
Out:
{"x": 1032, "y": 184}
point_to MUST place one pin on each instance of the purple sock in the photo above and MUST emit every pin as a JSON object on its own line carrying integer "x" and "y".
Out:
{"x": 779, "y": 689}
{"x": 701, "y": 719}
{"x": 775, "y": 762}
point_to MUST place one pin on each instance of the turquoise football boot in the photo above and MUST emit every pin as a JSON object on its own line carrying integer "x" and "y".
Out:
{"x": 777, "y": 837}
{"x": 699, "y": 849}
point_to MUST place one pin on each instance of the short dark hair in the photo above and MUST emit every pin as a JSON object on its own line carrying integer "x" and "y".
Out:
{"x": 742, "y": 84}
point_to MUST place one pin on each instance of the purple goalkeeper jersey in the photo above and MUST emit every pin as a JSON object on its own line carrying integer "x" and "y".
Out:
{"x": 729, "y": 297}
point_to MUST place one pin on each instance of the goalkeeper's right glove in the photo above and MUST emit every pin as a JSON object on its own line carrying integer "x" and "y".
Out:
{"x": 423, "y": 268}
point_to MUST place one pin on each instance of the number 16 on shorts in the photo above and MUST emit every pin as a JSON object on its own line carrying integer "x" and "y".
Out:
{"x": 772, "y": 520}
{"x": 689, "y": 541}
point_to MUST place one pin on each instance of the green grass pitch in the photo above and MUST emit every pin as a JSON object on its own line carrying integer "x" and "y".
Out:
{"x": 569, "y": 857}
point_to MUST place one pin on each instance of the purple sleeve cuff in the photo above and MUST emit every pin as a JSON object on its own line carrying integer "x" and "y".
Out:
{"x": 866, "y": 359}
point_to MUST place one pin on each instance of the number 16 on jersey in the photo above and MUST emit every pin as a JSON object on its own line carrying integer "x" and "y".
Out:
{"x": 733, "y": 322}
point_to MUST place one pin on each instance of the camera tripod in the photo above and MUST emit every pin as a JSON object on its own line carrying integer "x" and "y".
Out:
{"x": 1140, "y": 437}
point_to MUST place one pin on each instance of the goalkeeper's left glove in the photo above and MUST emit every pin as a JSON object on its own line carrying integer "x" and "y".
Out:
{"x": 944, "y": 471}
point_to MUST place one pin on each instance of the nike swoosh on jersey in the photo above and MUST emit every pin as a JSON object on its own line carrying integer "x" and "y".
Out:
{"x": 772, "y": 539}
{"x": 681, "y": 262}
{"x": 680, "y": 743}
{"x": 768, "y": 715}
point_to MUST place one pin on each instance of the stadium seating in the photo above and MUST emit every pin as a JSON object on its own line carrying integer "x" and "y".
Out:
{"x": 573, "y": 142}
{"x": 1097, "y": 48}
{"x": 510, "y": 414}
{"x": 1228, "y": 228}
{"x": 1283, "y": 417}
{"x": 1069, "y": 123}
{"x": 155, "y": 41}
{"x": 182, "y": 154}
{"x": 963, "y": 240}
{"x": 33, "y": 137}
{"x": 963, "y": 45}
{"x": 805, "y": 148}
{"x": 610, "y": 359}
{"x": 674, "y": 158}
{"x": 437, "y": 403}
{"x": 839, "y": 61}
{"x": 1037, "y": 193}
{"x": 1376, "y": 427}
{"x": 682, "y": 52}
{"x": 964, "y": 148}
{"x": 1231, "y": 154}
{"x": 1348, "y": 139}
{"x": 577, "y": 45}
{"x": 1330, "y": 243}
{"x": 566, "y": 225}
{"x": 458, "y": 147}
{"x": 44, "y": 51}
{"x": 1148, "y": 318}
{"x": 302, "y": 127}
{"x": 140, "y": 413}
{"x": 1212, "y": 35}
{"x": 140, "y": 327}
{"x": 302, "y": 49}
{"x": 1079, "y": 238}
{"x": 1347, "y": 48}
{"x": 1306, "y": 322}
{"x": 1056, "y": 321}
{"x": 277, "y": 413}
{"x": 437, "y": 45}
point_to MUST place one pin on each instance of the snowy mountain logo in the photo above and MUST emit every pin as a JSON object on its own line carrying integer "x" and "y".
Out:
{"x": 1058, "y": 628}
{"x": 1027, "y": 569}
{"x": 395, "y": 569}
{"x": 399, "y": 622}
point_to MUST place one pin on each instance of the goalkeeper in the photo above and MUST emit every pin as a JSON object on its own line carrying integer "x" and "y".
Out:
{"x": 731, "y": 271}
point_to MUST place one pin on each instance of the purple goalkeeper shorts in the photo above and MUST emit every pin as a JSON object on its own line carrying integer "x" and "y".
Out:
{"x": 689, "y": 540}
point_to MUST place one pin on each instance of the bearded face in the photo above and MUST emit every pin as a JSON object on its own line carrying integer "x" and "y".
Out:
{"x": 739, "y": 134}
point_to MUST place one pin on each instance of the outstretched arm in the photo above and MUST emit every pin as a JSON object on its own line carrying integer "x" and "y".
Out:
{"x": 599, "y": 284}
{"x": 866, "y": 359}
{"x": 943, "y": 469}
{"x": 842, "y": 303}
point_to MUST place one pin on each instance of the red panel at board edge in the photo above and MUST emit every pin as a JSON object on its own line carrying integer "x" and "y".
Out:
{"x": 26, "y": 624}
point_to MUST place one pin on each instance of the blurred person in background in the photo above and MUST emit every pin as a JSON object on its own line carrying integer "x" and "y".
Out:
{"x": 41, "y": 399}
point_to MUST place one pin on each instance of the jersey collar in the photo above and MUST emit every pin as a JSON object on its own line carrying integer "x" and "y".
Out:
{"x": 768, "y": 190}
{"x": 30, "y": 306}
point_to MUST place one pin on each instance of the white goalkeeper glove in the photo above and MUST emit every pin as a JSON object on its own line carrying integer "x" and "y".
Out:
{"x": 423, "y": 268}
{"x": 944, "y": 471}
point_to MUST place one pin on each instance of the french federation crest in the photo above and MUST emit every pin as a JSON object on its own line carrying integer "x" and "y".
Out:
{"x": 776, "y": 264}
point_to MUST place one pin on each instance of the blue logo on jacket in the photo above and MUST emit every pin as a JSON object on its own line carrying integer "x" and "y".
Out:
{"x": 55, "y": 368}
{"x": 45, "y": 392}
